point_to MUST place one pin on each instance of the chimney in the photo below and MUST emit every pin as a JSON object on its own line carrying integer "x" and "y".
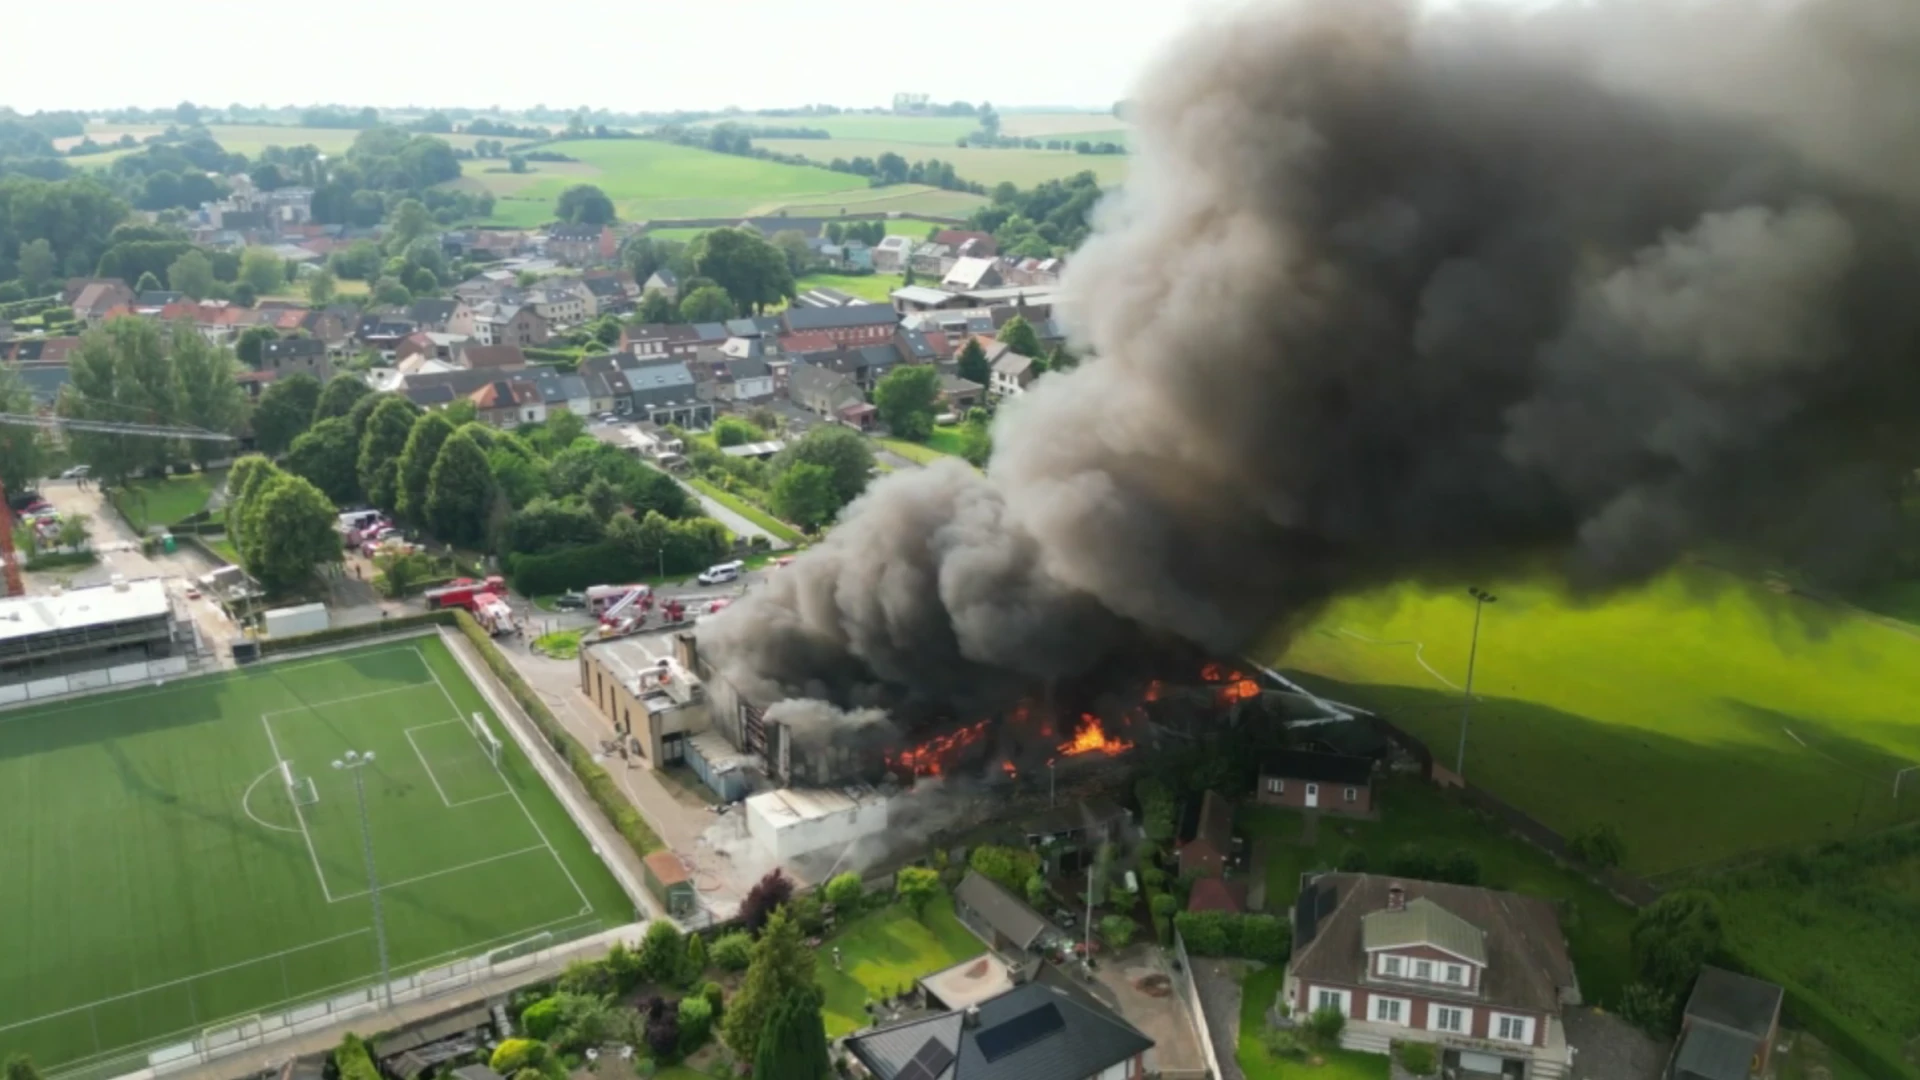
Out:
{"x": 971, "y": 1018}
{"x": 1396, "y": 897}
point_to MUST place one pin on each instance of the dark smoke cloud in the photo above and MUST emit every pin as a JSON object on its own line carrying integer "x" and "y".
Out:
{"x": 1393, "y": 295}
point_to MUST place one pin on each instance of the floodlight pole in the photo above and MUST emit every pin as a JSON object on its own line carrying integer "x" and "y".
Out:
{"x": 1481, "y": 598}
{"x": 356, "y": 763}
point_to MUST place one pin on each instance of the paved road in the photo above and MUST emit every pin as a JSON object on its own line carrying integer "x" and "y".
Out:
{"x": 611, "y": 434}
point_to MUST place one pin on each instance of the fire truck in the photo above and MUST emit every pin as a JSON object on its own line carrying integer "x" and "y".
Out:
{"x": 633, "y": 620}
{"x": 493, "y": 613}
{"x": 465, "y": 593}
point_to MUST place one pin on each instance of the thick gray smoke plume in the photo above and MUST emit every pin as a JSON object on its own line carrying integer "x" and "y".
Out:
{"x": 1394, "y": 295}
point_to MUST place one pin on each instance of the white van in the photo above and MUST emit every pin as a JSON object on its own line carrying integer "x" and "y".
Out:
{"x": 722, "y": 573}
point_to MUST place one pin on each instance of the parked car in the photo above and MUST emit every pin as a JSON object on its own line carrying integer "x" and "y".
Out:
{"x": 722, "y": 573}
{"x": 78, "y": 472}
{"x": 572, "y": 601}
{"x": 21, "y": 500}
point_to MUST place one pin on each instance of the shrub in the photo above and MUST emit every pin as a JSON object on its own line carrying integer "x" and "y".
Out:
{"x": 697, "y": 961}
{"x": 1649, "y": 1009}
{"x": 809, "y": 912}
{"x": 716, "y": 996}
{"x": 1410, "y": 860}
{"x": 540, "y": 1019}
{"x": 663, "y": 1031}
{"x": 1325, "y": 1025}
{"x": 1007, "y": 865}
{"x": 1283, "y": 1043}
{"x": 1038, "y": 895}
{"x": 767, "y": 895}
{"x": 1598, "y": 846}
{"x": 1417, "y": 1058}
{"x": 662, "y": 953}
{"x": 733, "y": 952}
{"x": 1206, "y": 933}
{"x": 350, "y": 1058}
{"x": 1117, "y": 931}
{"x": 1163, "y": 905}
{"x": 1461, "y": 868}
{"x": 1265, "y": 938}
{"x": 1673, "y": 936}
{"x": 696, "y": 1023}
{"x": 845, "y": 891}
{"x": 512, "y": 1055}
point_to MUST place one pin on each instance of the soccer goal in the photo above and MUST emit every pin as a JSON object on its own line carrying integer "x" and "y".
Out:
{"x": 299, "y": 789}
{"x": 483, "y": 734}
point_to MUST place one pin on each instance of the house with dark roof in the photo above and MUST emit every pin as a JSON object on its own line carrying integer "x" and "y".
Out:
{"x": 1207, "y": 853}
{"x": 999, "y": 918}
{"x": 1484, "y": 975}
{"x": 1031, "y": 1032}
{"x": 1012, "y": 373}
{"x": 660, "y": 339}
{"x": 663, "y": 281}
{"x": 1728, "y": 1029}
{"x": 1066, "y": 836}
{"x": 302, "y": 355}
{"x": 855, "y": 324}
{"x": 659, "y": 390}
{"x": 1333, "y": 783}
{"x": 507, "y": 403}
{"x": 822, "y": 391}
{"x": 432, "y": 313}
{"x": 580, "y": 245}
{"x": 479, "y": 357}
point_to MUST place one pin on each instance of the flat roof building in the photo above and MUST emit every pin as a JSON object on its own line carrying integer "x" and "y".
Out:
{"x": 641, "y": 690}
{"x": 82, "y": 629}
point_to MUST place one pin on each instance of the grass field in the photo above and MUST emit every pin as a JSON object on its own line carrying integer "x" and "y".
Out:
{"x": 1704, "y": 716}
{"x": 1024, "y": 167}
{"x": 749, "y": 511}
{"x": 145, "y": 503}
{"x": 166, "y": 879}
{"x": 875, "y": 287}
{"x": 248, "y": 139}
{"x": 943, "y": 130}
{"x": 895, "y": 199}
{"x": 648, "y": 179}
{"x": 1256, "y": 993}
{"x": 882, "y": 951}
{"x": 1417, "y": 813}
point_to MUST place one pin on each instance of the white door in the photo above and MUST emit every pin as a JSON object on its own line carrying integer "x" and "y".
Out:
{"x": 1483, "y": 1063}
{"x": 1313, "y": 794}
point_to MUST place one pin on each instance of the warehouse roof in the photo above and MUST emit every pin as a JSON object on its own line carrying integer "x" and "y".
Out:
{"x": 102, "y": 605}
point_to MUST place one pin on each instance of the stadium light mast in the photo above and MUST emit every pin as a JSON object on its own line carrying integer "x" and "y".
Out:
{"x": 1481, "y": 598}
{"x": 356, "y": 763}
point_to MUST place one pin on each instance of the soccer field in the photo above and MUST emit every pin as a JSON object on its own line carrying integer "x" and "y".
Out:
{"x": 164, "y": 877}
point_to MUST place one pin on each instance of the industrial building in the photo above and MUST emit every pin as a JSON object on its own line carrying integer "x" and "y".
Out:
{"x": 793, "y": 822}
{"x": 83, "y": 639}
{"x": 645, "y": 693}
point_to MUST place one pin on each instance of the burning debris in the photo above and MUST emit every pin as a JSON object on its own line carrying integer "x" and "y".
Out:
{"x": 1401, "y": 294}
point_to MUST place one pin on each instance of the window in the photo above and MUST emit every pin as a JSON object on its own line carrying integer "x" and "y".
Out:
{"x": 1330, "y": 999}
{"x": 1390, "y": 965}
{"x": 1456, "y": 974}
{"x": 1390, "y": 1010}
{"x": 1423, "y": 970}
{"x": 1513, "y": 1028}
{"x": 1350, "y": 794}
{"x": 1276, "y": 787}
{"x": 1448, "y": 1019}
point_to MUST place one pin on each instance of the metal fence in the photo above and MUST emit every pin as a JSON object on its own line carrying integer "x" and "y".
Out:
{"x": 236, "y": 1034}
{"x": 1183, "y": 985}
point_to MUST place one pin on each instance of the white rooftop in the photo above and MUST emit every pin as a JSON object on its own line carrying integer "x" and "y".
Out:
{"x": 101, "y": 605}
{"x": 790, "y": 806}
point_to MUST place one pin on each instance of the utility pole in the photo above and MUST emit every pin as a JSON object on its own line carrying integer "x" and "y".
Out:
{"x": 356, "y": 763}
{"x": 1481, "y": 598}
{"x": 1087, "y": 930}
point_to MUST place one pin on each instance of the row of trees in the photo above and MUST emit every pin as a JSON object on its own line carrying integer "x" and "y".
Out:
{"x": 807, "y": 484}
{"x": 280, "y": 523}
{"x": 1051, "y": 219}
{"x": 132, "y": 370}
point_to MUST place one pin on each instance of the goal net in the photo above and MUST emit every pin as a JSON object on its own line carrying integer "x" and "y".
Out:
{"x": 299, "y": 788}
{"x": 483, "y": 734}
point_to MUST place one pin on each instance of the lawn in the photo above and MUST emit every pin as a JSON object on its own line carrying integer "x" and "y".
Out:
{"x": 1414, "y": 812}
{"x": 947, "y": 440}
{"x": 927, "y": 130}
{"x": 650, "y": 179}
{"x": 875, "y": 287}
{"x": 884, "y": 951}
{"x": 1704, "y": 716}
{"x": 749, "y": 511}
{"x": 146, "y": 503}
{"x": 224, "y": 548}
{"x": 170, "y": 879}
{"x": 561, "y": 644}
{"x": 986, "y": 166}
{"x": 1256, "y": 993}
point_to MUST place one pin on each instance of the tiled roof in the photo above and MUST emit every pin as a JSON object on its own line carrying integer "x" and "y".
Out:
{"x": 1004, "y": 911}
{"x": 1423, "y": 922}
{"x": 840, "y": 318}
{"x": 1032, "y": 1032}
{"x": 1325, "y": 768}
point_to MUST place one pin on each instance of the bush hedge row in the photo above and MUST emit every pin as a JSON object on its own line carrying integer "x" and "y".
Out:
{"x": 58, "y": 559}
{"x": 1220, "y": 933}
{"x": 573, "y": 568}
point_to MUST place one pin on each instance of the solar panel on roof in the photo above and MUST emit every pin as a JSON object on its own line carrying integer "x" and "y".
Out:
{"x": 1019, "y": 1032}
{"x": 934, "y": 1057}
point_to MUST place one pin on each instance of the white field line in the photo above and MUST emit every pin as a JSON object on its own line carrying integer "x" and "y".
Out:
{"x": 390, "y": 885}
{"x": 248, "y": 794}
{"x": 186, "y": 979}
{"x": 1795, "y": 738}
{"x": 1419, "y": 654}
{"x": 297, "y": 815}
{"x": 425, "y": 764}
{"x": 451, "y": 804}
{"x": 344, "y": 700}
{"x": 191, "y": 682}
{"x": 586, "y": 905}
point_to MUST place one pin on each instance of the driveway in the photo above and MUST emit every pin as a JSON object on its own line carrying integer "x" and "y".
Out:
{"x": 739, "y": 526}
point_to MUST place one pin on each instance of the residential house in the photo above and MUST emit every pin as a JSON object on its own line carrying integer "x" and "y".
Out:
{"x": 1031, "y": 1032}
{"x": 507, "y": 403}
{"x": 153, "y": 301}
{"x": 328, "y": 325}
{"x": 654, "y": 340}
{"x": 866, "y": 365}
{"x": 493, "y": 322}
{"x": 96, "y": 298}
{"x": 957, "y": 395}
{"x": 1001, "y": 919}
{"x": 1211, "y": 847}
{"x": 564, "y": 303}
{"x": 660, "y": 390}
{"x": 1066, "y": 836}
{"x": 858, "y": 324}
{"x": 562, "y": 391}
{"x": 909, "y": 299}
{"x": 1482, "y": 974}
{"x": 932, "y": 260}
{"x": 965, "y": 242}
{"x": 892, "y": 254}
{"x": 383, "y": 330}
{"x": 825, "y": 297}
{"x": 581, "y": 245}
{"x": 289, "y": 356}
{"x": 1012, "y": 374}
{"x": 829, "y": 395}
{"x": 432, "y": 314}
{"x": 748, "y": 378}
{"x": 490, "y": 357}
{"x": 1333, "y": 783}
{"x": 1729, "y": 1028}
{"x": 613, "y": 290}
{"x": 663, "y": 281}
{"x": 972, "y": 273}
{"x": 921, "y": 347}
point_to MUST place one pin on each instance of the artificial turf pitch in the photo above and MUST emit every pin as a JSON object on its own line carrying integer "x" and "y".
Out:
{"x": 161, "y": 879}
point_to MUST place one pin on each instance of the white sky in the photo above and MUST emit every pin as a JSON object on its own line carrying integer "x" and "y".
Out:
{"x": 683, "y": 54}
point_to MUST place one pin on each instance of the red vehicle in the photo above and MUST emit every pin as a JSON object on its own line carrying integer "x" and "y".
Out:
{"x": 494, "y": 614}
{"x": 634, "y": 619}
{"x": 465, "y": 593}
{"x": 609, "y": 601}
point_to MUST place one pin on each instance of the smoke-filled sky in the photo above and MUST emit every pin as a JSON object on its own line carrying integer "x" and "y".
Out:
{"x": 1394, "y": 295}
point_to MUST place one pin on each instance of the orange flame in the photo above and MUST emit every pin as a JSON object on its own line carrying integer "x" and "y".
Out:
{"x": 1239, "y": 690}
{"x": 1153, "y": 690}
{"x": 932, "y": 758}
{"x": 1007, "y": 767}
{"x": 1090, "y": 737}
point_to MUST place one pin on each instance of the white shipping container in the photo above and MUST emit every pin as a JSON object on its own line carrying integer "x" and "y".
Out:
{"x": 288, "y": 621}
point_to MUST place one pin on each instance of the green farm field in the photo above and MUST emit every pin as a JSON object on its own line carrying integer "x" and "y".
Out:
{"x": 893, "y": 199}
{"x": 1705, "y": 716}
{"x": 943, "y": 130}
{"x": 1024, "y": 167}
{"x": 168, "y": 878}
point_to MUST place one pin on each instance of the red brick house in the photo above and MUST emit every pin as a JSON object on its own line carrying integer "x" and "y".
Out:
{"x": 1212, "y": 844}
{"x": 1481, "y": 974}
{"x": 1334, "y": 783}
{"x": 508, "y": 403}
{"x": 855, "y": 324}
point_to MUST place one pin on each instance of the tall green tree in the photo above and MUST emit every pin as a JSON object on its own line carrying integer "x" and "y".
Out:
{"x": 244, "y": 479}
{"x": 381, "y": 443}
{"x": 584, "y": 204}
{"x": 262, "y": 270}
{"x": 410, "y": 222}
{"x": 205, "y": 392}
{"x": 972, "y": 363}
{"x": 1019, "y": 335}
{"x": 22, "y": 452}
{"x": 804, "y": 495}
{"x": 843, "y": 451}
{"x": 289, "y": 532}
{"x": 320, "y": 287}
{"x": 251, "y": 345}
{"x": 908, "y": 399}
{"x": 794, "y": 1044}
{"x": 741, "y": 261}
{"x": 191, "y": 273}
{"x": 429, "y": 433}
{"x": 121, "y": 372}
{"x": 36, "y": 265}
{"x": 709, "y": 303}
{"x": 460, "y": 491}
{"x": 338, "y": 398}
{"x": 328, "y": 456}
{"x": 149, "y": 282}
{"x": 781, "y": 966}
{"x": 285, "y": 412}
{"x": 656, "y": 308}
